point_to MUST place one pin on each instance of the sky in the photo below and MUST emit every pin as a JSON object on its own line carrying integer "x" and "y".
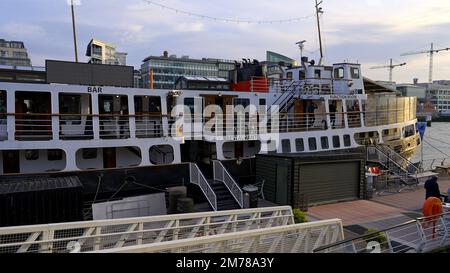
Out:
{"x": 366, "y": 31}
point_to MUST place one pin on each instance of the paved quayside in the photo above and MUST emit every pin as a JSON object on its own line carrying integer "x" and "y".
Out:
{"x": 379, "y": 213}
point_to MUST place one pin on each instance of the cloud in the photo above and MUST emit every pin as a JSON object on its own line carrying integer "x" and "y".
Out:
{"x": 369, "y": 31}
{"x": 22, "y": 31}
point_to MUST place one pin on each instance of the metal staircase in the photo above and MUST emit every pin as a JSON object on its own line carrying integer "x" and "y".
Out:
{"x": 221, "y": 191}
{"x": 285, "y": 101}
{"x": 398, "y": 167}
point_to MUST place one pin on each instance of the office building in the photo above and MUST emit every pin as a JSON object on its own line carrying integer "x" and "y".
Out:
{"x": 167, "y": 69}
{"x": 13, "y": 53}
{"x": 105, "y": 53}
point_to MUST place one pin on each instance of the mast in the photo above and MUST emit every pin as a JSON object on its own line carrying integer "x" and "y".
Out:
{"x": 74, "y": 32}
{"x": 318, "y": 12}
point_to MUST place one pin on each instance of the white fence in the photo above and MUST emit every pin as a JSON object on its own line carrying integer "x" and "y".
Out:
{"x": 416, "y": 236}
{"x": 221, "y": 174}
{"x": 118, "y": 233}
{"x": 197, "y": 178}
{"x": 298, "y": 238}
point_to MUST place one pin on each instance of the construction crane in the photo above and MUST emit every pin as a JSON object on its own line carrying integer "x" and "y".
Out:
{"x": 391, "y": 67}
{"x": 431, "y": 52}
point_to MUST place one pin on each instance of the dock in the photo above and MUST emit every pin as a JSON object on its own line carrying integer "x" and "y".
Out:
{"x": 378, "y": 213}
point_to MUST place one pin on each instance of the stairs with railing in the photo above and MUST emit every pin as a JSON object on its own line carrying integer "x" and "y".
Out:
{"x": 397, "y": 166}
{"x": 221, "y": 191}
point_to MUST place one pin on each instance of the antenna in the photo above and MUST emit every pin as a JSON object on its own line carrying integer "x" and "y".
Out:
{"x": 74, "y": 32}
{"x": 391, "y": 67}
{"x": 301, "y": 46}
{"x": 319, "y": 11}
{"x": 431, "y": 52}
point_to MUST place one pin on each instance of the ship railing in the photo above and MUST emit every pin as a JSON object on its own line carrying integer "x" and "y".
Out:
{"x": 405, "y": 163}
{"x": 297, "y": 238}
{"x": 425, "y": 234}
{"x": 33, "y": 126}
{"x": 307, "y": 86}
{"x": 44, "y": 126}
{"x": 221, "y": 174}
{"x": 197, "y": 178}
{"x": 118, "y": 233}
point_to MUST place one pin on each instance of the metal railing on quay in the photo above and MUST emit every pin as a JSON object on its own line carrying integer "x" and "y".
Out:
{"x": 424, "y": 234}
{"x": 118, "y": 233}
{"x": 296, "y": 238}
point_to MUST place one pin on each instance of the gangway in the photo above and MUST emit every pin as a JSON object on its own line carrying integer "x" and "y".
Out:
{"x": 298, "y": 238}
{"x": 118, "y": 233}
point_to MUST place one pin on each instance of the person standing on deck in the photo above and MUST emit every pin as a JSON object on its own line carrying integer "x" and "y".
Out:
{"x": 432, "y": 188}
{"x": 333, "y": 113}
{"x": 311, "y": 117}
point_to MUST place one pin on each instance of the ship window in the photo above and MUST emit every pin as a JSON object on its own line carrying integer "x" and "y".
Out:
{"x": 324, "y": 143}
{"x": 31, "y": 154}
{"x": 2, "y": 104}
{"x": 289, "y": 75}
{"x": 262, "y": 101}
{"x": 409, "y": 130}
{"x": 354, "y": 71}
{"x": 339, "y": 73}
{"x": 317, "y": 73}
{"x": 243, "y": 102}
{"x": 336, "y": 142}
{"x": 299, "y": 145}
{"x": 54, "y": 155}
{"x": 90, "y": 153}
{"x": 286, "y": 145}
{"x": 301, "y": 75}
{"x": 312, "y": 144}
{"x": 347, "y": 142}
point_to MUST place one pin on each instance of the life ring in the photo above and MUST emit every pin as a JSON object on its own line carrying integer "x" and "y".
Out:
{"x": 432, "y": 208}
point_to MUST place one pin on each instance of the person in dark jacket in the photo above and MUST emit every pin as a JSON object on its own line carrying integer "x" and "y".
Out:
{"x": 432, "y": 188}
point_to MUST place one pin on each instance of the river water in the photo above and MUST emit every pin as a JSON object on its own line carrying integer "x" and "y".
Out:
{"x": 436, "y": 145}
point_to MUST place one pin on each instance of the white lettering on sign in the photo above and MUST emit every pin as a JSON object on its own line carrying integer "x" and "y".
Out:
{"x": 340, "y": 97}
{"x": 93, "y": 89}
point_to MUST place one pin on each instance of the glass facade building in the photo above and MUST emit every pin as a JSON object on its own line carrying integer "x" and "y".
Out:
{"x": 166, "y": 70}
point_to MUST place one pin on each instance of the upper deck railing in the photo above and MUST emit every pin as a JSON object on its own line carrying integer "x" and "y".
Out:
{"x": 46, "y": 126}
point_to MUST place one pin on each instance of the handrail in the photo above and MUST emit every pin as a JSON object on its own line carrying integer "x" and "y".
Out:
{"x": 203, "y": 184}
{"x": 408, "y": 162}
{"x": 117, "y": 233}
{"x": 421, "y": 222}
{"x": 297, "y": 238}
{"x": 229, "y": 182}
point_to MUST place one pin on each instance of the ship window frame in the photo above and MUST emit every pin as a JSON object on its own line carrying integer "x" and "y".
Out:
{"x": 31, "y": 155}
{"x": 317, "y": 73}
{"x": 88, "y": 153}
{"x": 286, "y": 145}
{"x": 299, "y": 145}
{"x": 337, "y": 73}
{"x": 336, "y": 142}
{"x": 3, "y": 103}
{"x": 324, "y": 143}
{"x": 347, "y": 141}
{"x": 289, "y": 75}
{"x": 312, "y": 144}
{"x": 353, "y": 74}
{"x": 54, "y": 155}
{"x": 301, "y": 74}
